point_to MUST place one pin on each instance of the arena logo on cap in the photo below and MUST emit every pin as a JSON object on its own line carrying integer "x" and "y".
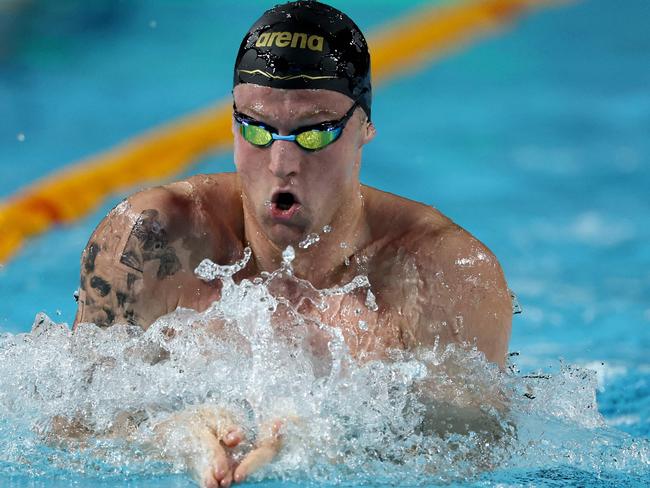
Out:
{"x": 290, "y": 39}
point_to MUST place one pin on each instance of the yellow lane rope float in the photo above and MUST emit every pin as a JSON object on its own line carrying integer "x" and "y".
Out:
{"x": 77, "y": 190}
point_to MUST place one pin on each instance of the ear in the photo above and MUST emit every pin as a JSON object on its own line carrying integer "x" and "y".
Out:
{"x": 368, "y": 132}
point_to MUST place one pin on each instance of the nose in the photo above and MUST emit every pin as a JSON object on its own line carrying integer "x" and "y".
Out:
{"x": 285, "y": 159}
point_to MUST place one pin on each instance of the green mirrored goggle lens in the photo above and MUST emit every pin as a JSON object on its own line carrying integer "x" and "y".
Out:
{"x": 316, "y": 139}
{"x": 256, "y": 135}
{"x": 311, "y": 140}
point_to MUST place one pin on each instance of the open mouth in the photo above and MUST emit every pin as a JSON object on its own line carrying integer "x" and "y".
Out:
{"x": 284, "y": 200}
{"x": 284, "y": 205}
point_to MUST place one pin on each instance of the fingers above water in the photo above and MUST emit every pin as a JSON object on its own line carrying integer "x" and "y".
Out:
{"x": 213, "y": 432}
{"x": 267, "y": 448}
{"x": 233, "y": 437}
{"x": 209, "y": 463}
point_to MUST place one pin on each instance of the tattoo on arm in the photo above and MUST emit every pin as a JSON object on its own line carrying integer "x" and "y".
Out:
{"x": 111, "y": 296}
{"x": 149, "y": 241}
{"x": 104, "y": 301}
{"x": 90, "y": 257}
{"x": 101, "y": 285}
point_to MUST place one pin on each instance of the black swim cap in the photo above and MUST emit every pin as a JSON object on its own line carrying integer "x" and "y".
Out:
{"x": 306, "y": 44}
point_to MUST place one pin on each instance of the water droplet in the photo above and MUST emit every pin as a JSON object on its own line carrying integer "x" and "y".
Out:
{"x": 208, "y": 270}
{"x": 288, "y": 255}
{"x": 327, "y": 229}
{"x": 21, "y": 137}
{"x": 516, "y": 307}
{"x": 363, "y": 325}
{"x": 457, "y": 325}
{"x": 308, "y": 241}
{"x": 371, "y": 303}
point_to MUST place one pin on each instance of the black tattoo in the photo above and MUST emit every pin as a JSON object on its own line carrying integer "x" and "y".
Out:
{"x": 110, "y": 317}
{"x": 131, "y": 317}
{"x": 91, "y": 255}
{"x": 101, "y": 285}
{"x": 131, "y": 259}
{"x": 149, "y": 241}
{"x": 130, "y": 279}
{"x": 169, "y": 263}
{"x": 121, "y": 298}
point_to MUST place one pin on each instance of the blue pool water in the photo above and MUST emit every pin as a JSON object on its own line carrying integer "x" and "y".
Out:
{"x": 535, "y": 140}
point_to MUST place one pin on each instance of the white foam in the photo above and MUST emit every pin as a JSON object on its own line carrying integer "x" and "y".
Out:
{"x": 431, "y": 415}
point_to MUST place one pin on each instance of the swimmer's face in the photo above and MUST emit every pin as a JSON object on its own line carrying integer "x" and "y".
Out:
{"x": 288, "y": 191}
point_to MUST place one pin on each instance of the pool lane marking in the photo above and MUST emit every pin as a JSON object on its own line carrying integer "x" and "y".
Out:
{"x": 428, "y": 33}
{"x": 76, "y": 190}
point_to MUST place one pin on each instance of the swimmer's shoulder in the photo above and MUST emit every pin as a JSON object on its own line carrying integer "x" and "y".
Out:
{"x": 141, "y": 257}
{"x": 421, "y": 230}
{"x": 187, "y": 220}
{"x": 457, "y": 276}
{"x": 201, "y": 205}
{"x": 395, "y": 218}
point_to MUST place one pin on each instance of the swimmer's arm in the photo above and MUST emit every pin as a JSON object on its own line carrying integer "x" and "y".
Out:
{"x": 124, "y": 265}
{"x": 463, "y": 298}
{"x": 482, "y": 313}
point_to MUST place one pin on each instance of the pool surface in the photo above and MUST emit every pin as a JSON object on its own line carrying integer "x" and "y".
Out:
{"x": 534, "y": 139}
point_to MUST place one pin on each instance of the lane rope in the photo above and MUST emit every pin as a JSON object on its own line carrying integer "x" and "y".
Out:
{"x": 74, "y": 191}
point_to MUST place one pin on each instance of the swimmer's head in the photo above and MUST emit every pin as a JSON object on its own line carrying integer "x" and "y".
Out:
{"x": 306, "y": 44}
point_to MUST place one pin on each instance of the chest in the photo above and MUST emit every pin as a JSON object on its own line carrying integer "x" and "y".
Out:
{"x": 366, "y": 327}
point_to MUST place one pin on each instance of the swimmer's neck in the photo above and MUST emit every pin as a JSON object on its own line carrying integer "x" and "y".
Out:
{"x": 324, "y": 262}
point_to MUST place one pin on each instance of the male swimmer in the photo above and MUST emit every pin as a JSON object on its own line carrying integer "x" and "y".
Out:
{"x": 301, "y": 117}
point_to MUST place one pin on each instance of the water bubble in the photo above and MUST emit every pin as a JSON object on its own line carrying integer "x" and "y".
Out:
{"x": 153, "y": 24}
{"x": 308, "y": 241}
{"x": 457, "y": 325}
{"x": 20, "y": 137}
{"x": 327, "y": 229}
{"x": 288, "y": 255}
{"x": 359, "y": 281}
{"x": 438, "y": 414}
{"x": 516, "y": 307}
{"x": 371, "y": 303}
{"x": 207, "y": 270}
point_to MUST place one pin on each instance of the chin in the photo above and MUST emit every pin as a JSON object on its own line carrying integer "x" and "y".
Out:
{"x": 283, "y": 235}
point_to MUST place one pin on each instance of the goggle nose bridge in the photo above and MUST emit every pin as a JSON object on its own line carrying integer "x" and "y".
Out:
{"x": 278, "y": 137}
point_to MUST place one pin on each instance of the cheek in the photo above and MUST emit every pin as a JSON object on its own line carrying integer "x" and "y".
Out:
{"x": 248, "y": 161}
{"x": 340, "y": 166}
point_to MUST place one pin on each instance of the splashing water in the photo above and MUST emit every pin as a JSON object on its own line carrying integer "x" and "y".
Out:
{"x": 433, "y": 415}
{"x": 309, "y": 241}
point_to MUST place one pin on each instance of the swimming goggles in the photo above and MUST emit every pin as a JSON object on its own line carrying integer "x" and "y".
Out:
{"x": 310, "y": 137}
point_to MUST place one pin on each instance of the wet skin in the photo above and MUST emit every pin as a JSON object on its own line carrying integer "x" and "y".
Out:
{"x": 432, "y": 280}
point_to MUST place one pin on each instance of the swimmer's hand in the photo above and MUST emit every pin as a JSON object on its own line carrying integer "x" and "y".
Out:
{"x": 205, "y": 437}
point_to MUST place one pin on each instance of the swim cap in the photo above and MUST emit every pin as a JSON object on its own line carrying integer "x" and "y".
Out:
{"x": 306, "y": 44}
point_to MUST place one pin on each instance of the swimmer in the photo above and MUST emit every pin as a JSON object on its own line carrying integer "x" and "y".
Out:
{"x": 301, "y": 118}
